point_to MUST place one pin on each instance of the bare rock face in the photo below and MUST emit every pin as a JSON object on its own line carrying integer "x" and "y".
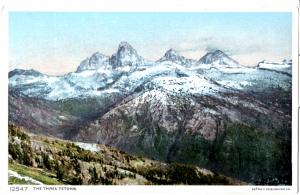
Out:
{"x": 125, "y": 56}
{"x": 39, "y": 116}
{"x": 96, "y": 61}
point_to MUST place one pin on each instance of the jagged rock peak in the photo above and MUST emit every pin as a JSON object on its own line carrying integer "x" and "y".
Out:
{"x": 125, "y": 46}
{"x": 171, "y": 53}
{"x": 218, "y": 57}
{"x": 96, "y": 61}
{"x": 98, "y": 55}
{"x": 125, "y": 49}
{"x": 125, "y": 56}
{"x": 173, "y": 56}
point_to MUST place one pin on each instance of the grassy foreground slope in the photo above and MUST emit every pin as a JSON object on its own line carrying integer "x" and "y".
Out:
{"x": 54, "y": 162}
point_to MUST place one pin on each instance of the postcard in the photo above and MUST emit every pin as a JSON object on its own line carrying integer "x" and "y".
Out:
{"x": 128, "y": 98}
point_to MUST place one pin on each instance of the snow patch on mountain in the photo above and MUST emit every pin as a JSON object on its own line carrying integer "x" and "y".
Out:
{"x": 62, "y": 90}
{"x": 21, "y": 177}
{"x": 284, "y": 66}
{"x": 236, "y": 70}
{"x": 153, "y": 95}
{"x": 104, "y": 92}
{"x": 88, "y": 146}
{"x": 23, "y": 80}
{"x": 187, "y": 85}
{"x": 230, "y": 84}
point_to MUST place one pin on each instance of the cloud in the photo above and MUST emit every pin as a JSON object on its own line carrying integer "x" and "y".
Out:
{"x": 247, "y": 51}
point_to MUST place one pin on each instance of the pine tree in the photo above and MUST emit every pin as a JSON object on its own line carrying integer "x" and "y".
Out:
{"x": 94, "y": 175}
{"x": 59, "y": 171}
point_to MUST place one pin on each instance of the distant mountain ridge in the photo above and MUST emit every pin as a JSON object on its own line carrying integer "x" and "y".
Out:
{"x": 127, "y": 59}
{"x": 126, "y": 55}
{"x": 126, "y": 67}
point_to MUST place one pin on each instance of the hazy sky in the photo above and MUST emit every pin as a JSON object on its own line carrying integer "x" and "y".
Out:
{"x": 55, "y": 43}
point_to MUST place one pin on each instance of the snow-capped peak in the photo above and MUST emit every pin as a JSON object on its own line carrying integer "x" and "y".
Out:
{"x": 173, "y": 56}
{"x": 125, "y": 47}
{"x": 125, "y": 56}
{"x": 218, "y": 57}
{"x": 96, "y": 61}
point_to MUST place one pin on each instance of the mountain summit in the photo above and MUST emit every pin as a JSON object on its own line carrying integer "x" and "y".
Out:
{"x": 96, "y": 61}
{"x": 173, "y": 56}
{"x": 218, "y": 57}
{"x": 127, "y": 59}
{"x": 125, "y": 56}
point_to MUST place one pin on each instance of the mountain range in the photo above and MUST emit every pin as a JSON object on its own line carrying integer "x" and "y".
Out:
{"x": 212, "y": 112}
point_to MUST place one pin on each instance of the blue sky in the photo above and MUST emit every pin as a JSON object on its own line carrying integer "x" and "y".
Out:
{"x": 55, "y": 43}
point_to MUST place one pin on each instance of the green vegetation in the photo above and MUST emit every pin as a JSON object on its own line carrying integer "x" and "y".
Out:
{"x": 61, "y": 162}
{"x": 181, "y": 173}
{"x": 85, "y": 107}
{"x": 38, "y": 174}
{"x": 94, "y": 176}
{"x": 46, "y": 161}
{"x": 59, "y": 171}
{"x": 15, "y": 151}
{"x": 178, "y": 173}
{"x": 243, "y": 152}
{"x": 18, "y": 132}
{"x": 247, "y": 151}
{"x": 252, "y": 154}
{"x": 14, "y": 180}
{"x": 19, "y": 147}
{"x": 240, "y": 151}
